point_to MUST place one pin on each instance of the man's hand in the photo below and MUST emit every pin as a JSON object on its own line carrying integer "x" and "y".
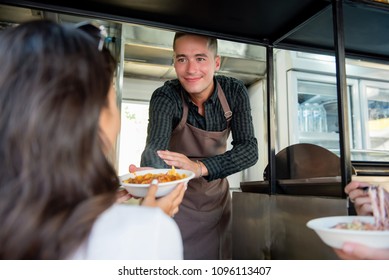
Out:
{"x": 183, "y": 162}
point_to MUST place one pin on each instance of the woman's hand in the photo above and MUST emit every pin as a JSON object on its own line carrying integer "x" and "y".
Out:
{"x": 122, "y": 196}
{"x": 183, "y": 162}
{"x": 352, "y": 251}
{"x": 360, "y": 197}
{"x": 169, "y": 203}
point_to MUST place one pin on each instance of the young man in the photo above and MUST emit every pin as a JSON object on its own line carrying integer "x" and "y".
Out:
{"x": 190, "y": 119}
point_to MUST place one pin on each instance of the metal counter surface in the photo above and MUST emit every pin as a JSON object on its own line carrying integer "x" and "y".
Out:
{"x": 274, "y": 226}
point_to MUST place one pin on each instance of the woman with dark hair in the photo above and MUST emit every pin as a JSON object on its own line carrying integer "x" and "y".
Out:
{"x": 58, "y": 122}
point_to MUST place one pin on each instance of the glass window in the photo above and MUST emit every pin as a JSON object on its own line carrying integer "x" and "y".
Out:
{"x": 134, "y": 120}
{"x": 377, "y": 119}
{"x": 312, "y": 104}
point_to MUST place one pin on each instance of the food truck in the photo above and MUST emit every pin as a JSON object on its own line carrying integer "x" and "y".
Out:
{"x": 317, "y": 72}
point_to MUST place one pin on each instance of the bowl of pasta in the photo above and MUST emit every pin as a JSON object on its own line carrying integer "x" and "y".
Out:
{"x": 335, "y": 231}
{"x": 372, "y": 231}
{"x": 137, "y": 183}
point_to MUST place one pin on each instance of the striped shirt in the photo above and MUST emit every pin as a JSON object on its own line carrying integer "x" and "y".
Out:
{"x": 165, "y": 113}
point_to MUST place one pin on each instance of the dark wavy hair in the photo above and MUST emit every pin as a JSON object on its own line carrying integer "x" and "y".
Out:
{"x": 54, "y": 177}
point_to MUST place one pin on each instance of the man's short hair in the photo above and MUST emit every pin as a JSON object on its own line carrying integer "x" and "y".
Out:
{"x": 212, "y": 41}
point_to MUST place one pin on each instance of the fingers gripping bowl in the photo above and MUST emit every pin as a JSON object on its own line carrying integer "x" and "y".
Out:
{"x": 140, "y": 186}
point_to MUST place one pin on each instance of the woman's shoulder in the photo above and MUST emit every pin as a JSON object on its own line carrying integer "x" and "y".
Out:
{"x": 132, "y": 232}
{"x": 129, "y": 209}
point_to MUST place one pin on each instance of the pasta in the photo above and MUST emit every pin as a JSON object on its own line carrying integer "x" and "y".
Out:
{"x": 356, "y": 225}
{"x": 169, "y": 176}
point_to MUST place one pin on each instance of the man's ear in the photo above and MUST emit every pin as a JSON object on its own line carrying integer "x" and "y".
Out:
{"x": 217, "y": 63}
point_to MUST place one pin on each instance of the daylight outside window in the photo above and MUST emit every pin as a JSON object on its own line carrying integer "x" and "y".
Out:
{"x": 134, "y": 120}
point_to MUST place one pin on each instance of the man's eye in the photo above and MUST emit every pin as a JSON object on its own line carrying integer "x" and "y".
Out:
{"x": 200, "y": 59}
{"x": 181, "y": 60}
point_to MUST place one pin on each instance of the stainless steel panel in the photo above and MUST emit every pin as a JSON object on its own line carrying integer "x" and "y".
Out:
{"x": 250, "y": 226}
{"x": 274, "y": 226}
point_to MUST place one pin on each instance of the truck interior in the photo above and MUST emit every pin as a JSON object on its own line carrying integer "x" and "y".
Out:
{"x": 253, "y": 34}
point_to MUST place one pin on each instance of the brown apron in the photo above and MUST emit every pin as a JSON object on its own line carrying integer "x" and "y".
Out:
{"x": 205, "y": 213}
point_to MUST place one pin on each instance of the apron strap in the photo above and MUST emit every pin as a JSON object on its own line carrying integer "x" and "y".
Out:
{"x": 224, "y": 103}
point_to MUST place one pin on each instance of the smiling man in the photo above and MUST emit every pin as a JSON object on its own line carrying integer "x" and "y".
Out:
{"x": 190, "y": 119}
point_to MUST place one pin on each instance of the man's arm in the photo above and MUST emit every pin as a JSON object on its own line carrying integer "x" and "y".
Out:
{"x": 245, "y": 147}
{"x": 159, "y": 129}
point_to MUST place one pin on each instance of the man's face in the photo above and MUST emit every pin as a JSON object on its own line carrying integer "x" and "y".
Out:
{"x": 195, "y": 64}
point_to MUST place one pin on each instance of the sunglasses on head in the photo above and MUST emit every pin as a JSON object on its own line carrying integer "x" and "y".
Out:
{"x": 99, "y": 32}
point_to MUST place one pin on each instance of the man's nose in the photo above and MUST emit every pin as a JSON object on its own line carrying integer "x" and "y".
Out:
{"x": 191, "y": 66}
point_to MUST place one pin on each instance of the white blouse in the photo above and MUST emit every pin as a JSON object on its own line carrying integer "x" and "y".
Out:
{"x": 125, "y": 232}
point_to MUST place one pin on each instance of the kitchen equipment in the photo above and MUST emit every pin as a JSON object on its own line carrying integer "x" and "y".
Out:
{"x": 304, "y": 160}
{"x": 302, "y": 169}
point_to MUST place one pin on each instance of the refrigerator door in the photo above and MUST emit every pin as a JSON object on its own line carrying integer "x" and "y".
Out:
{"x": 313, "y": 111}
{"x": 368, "y": 103}
{"x": 375, "y": 111}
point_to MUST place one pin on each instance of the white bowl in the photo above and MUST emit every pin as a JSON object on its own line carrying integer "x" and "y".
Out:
{"x": 140, "y": 190}
{"x": 337, "y": 237}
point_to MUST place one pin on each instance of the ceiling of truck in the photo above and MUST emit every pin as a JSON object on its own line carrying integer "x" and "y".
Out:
{"x": 258, "y": 20}
{"x": 244, "y": 28}
{"x": 148, "y": 50}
